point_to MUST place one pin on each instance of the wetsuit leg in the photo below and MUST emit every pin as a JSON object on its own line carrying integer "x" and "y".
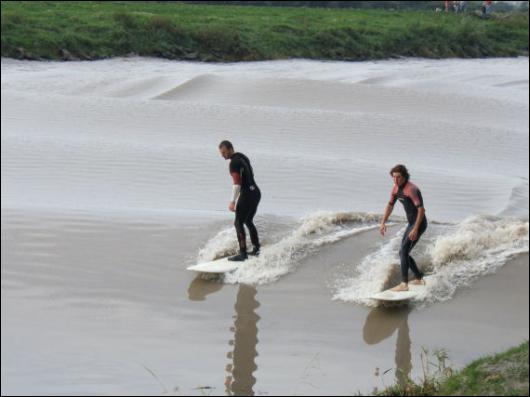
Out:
{"x": 407, "y": 262}
{"x": 254, "y": 200}
{"x": 241, "y": 213}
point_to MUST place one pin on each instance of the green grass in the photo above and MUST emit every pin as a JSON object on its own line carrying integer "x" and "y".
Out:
{"x": 504, "y": 374}
{"x": 93, "y": 30}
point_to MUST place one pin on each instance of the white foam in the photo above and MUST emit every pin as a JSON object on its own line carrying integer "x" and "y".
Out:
{"x": 458, "y": 257}
{"x": 476, "y": 247}
{"x": 282, "y": 257}
{"x": 224, "y": 243}
{"x": 372, "y": 274}
{"x": 517, "y": 205}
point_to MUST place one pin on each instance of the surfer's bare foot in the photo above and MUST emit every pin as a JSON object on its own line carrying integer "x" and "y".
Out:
{"x": 418, "y": 282}
{"x": 401, "y": 287}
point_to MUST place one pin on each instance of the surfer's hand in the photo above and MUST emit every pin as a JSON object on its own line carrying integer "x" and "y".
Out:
{"x": 232, "y": 206}
{"x": 382, "y": 229}
{"x": 413, "y": 235}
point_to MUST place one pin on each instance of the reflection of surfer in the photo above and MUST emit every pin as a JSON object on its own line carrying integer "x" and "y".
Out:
{"x": 380, "y": 324}
{"x": 240, "y": 381}
{"x": 410, "y": 196}
{"x": 200, "y": 288}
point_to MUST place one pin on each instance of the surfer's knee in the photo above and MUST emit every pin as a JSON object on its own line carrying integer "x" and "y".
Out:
{"x": 238, "y": 225}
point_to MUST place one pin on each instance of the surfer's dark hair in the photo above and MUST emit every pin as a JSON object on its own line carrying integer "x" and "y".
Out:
{"x": 226, "y": 144}
{"x": 400, "y": 168}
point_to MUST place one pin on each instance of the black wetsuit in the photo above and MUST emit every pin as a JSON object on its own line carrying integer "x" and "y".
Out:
{"x": 410, "y": 197}
{"x": 248, "y": 201}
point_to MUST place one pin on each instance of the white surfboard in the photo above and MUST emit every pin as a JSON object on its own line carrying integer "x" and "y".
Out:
{"x": 395, "y": 296}
{"x": 218, "y": 266}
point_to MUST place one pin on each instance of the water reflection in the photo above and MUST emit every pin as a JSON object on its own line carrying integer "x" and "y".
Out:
{"x": 200, "y": 288}
{"x": 380, "y": 324}
{"x": 240, "y": 380}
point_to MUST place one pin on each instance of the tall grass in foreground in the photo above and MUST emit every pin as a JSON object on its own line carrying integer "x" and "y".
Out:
{"x": 504, "y": 374}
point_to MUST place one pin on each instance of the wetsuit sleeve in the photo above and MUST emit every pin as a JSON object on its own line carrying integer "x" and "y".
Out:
{"x": 236, "y": 178}
{"x": 393, "y": 196}
{"x": 235, "y": 171}
{"x": 415, "y": 196}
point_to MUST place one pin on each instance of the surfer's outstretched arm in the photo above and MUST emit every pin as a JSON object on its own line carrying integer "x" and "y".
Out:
{"x": 388, "y": 211}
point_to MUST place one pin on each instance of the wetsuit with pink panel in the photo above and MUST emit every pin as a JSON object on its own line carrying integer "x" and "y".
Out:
{"x": 410, "y": 196}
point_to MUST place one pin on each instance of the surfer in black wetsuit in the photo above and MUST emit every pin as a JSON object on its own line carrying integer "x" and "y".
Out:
{"x": 410, "y": 196}
{"x": 245, "y": 199}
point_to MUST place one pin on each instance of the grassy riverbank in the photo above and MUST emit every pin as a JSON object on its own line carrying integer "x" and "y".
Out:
{"x": 96, "y": 30}
{"x": 504, "y": 374}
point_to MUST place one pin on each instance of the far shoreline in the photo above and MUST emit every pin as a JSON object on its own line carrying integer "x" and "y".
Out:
{"x": 72, "y": 31}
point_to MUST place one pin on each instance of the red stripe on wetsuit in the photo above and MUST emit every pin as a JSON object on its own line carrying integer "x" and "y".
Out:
{"x": 236, "y": 178}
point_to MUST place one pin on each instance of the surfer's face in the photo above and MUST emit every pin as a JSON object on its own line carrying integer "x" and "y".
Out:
{"x": 398, "y": 179}
{"x": 225, "y": 152}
